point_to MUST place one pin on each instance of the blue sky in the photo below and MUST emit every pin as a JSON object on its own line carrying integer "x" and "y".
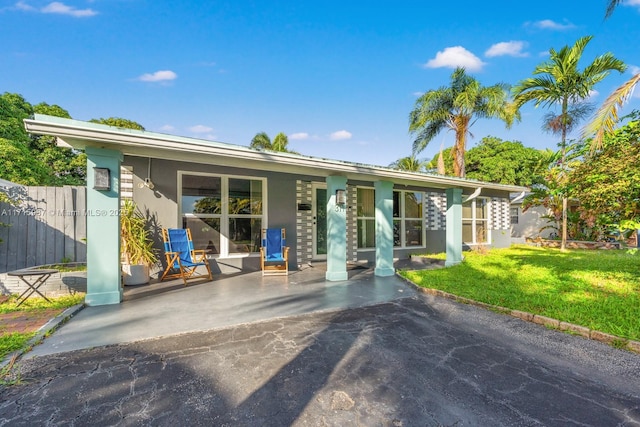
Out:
{"x": 338, "y": 77}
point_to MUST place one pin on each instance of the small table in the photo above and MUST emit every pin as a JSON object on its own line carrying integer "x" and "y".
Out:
{"x": 39, "y": 274}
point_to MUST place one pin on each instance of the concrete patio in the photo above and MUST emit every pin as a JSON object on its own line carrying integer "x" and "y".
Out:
{"x": 170, "y": 308}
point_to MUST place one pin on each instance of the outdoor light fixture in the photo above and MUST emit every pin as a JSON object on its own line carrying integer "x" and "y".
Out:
{"x": 341, "y": 197}
{"x": 147, "y": 181}
{"x": 101, "y": 179}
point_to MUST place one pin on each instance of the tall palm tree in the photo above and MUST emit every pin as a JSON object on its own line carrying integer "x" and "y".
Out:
{"x": 261, "y": 141}
{"x": 280, "y": 143}
{"x": 409, "y": 164}
{"x": 559, "y": 82}
{"x": 456, "y": 108}
{"x": 605, "y": 119}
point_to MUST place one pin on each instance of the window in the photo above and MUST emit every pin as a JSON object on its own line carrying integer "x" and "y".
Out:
{"x": 225, "y": 214}
{"x": 475, "y": 221}
{"x": 514, "y": 215}
{"x": 408, "y": 219}
{"x": 366, "y": 216}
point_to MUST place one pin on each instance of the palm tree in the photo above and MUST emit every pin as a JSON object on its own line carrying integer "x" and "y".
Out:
{"x": 261, "y": 141}
{"x": 456, "y": 108}
{"x": 280, "y": 142}
{"x": 606, "y": 117}
{"x": 559, "y": 82}
{"x": 409, "y": 164}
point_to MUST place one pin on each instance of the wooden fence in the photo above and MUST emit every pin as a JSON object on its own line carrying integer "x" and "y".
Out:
{"x": 47, "y": 225}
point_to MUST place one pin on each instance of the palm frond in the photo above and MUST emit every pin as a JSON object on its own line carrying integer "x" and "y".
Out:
{"x": 606, "y": 117}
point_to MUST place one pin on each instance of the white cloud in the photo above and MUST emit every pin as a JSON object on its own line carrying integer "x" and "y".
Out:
{"x": 167, "y": 128}
{"x": 56, "y": 8}
{"x": 548, "y": 24}
{"x": 23, "y": 6}
{"x": 456, "y": 56}
{"x": 417, "y": 94}
{"x": 634, "y": 69}
{"x": 158, "y": 76}
{"x": 200, "y": 129}
{"x": 299, "y": 136}
{"x": 510, "y": 48}
{"x": 593, "y": 94}
{"x": 340, "y": 135}
{"x": 632, "y": 3}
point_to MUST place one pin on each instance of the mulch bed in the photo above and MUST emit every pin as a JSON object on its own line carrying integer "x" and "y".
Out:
{"x": 26, "y": 321}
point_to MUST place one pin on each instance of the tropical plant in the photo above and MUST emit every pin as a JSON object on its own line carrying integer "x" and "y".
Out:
{"x": 505, "y": 162}
{"x": 456, "y": 108}
{"x": 409, "y": 164}
{"x": 605, "y": 119}
{"x": 136, "y": 242}
{"x": 261, "y": 141}
{"x": 608, "y": 181}
{"x": 559, "y": 83}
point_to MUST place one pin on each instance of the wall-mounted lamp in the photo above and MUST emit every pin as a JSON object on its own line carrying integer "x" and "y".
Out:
{"x": 147, "y": 181}
{"x": 101, "y": 179}
{"x": 341, "y": 197}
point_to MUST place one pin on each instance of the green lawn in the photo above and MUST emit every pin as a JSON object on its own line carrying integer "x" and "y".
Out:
{"x": 12, "y": 341}
{"x": 597, "y": 289}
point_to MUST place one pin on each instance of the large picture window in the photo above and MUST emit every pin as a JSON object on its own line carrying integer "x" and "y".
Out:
{"x": 475, "y": 221}
{"x": 408, "y": 219}
{"x": 225, "y": 214}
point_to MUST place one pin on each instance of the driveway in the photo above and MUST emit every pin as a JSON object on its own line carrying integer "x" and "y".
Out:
{"x": 414, "y": 361}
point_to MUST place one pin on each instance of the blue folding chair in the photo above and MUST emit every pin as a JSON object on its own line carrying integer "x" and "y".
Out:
{"x": 274, "y": 254}
{"x": 182, "y": 259}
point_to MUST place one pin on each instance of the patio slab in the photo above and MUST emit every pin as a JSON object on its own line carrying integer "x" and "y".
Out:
{"x": 170, "y": 308}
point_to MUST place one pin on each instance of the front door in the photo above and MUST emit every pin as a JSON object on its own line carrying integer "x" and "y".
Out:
{"x": 319, "y": 221}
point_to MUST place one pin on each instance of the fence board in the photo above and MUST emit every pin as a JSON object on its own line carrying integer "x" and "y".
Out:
{"x": 48, "y": 226}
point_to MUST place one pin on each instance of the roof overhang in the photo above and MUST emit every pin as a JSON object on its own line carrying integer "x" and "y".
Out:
{"x": 80, "y": 135}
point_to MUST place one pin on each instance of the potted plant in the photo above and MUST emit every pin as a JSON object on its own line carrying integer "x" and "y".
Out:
{"x": 136, "y": 245}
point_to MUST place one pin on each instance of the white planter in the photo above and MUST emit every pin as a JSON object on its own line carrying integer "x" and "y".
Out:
{"x": 135, "y": 274}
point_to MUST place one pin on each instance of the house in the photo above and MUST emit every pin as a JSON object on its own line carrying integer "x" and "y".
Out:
{"x": 332, "y": 210}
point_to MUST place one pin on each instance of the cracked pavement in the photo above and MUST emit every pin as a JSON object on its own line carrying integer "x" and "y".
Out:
{"x": 422, "y": 360}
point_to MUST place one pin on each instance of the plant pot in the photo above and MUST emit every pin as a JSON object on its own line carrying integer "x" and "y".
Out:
{"x": 135, "y": 274}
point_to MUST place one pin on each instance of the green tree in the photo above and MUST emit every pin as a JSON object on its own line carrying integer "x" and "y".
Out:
{"x": 442, "y": 164}
{"x": 558, "y": 82}
{"x": 13, "y": 110}
{"x": 456, "y": 108}
{"x": 409, "y": 164}
{"x": 119, "y": 122}
{"x": 67, "y": 166}
{"x": 261, "y": 141}
{"x": 20, "y": 166}
{"x": 607, "y": 183}
{"x": 605, "y": 119}
{"x": 504, "y": 162}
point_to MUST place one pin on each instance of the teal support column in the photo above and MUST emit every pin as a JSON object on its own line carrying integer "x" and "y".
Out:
{"x": 454, "y": 227}
{"x": 336, "y": 231}
{"x": 384, "y": 228}
{"x": 103, "y": 229}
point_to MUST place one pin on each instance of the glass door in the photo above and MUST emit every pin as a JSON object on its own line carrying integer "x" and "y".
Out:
{"x": 319, "y": 222}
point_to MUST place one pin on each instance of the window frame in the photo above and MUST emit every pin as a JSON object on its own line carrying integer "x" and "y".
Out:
{"x": 474, "y": 220}
{"x": 365, "y": 218}
{"x": 403, "y": 218}
{"x": 225, "y": 216}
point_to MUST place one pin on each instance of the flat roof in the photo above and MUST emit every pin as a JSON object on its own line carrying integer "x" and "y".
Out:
{"x": 80, "y": 135}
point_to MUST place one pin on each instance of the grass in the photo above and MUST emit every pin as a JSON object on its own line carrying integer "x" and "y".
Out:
{"x": 597, "y": 289}
{"x": 12, "y": 341}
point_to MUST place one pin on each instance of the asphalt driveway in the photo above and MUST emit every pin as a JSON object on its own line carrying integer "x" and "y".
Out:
{"x": 413, "y": 361}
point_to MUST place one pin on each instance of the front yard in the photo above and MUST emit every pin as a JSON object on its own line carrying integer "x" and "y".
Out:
{"x": 598, "y": 289}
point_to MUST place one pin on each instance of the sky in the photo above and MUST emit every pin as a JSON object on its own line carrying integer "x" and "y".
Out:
{"x": 338, "y": 77}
